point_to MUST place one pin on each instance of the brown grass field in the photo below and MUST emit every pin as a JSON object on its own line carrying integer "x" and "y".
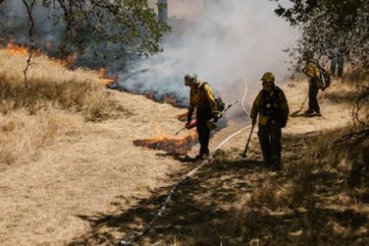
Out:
{"x": 71, "y": 175}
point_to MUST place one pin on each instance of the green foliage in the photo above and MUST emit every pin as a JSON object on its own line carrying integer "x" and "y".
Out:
{"x": 125, "y": 25}
{"x": 329, "y": 26}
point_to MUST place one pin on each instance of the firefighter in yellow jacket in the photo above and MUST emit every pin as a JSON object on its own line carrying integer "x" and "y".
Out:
{"x": 272, "y": 108}
{"x": 202, "y": 99}
{"x": 312, "y": 71}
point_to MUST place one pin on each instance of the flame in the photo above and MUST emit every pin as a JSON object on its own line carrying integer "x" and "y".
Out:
{"x": 105, "y": 79}
{"x": 170, "y": 100}
{"x": 182, "y": 117}
{"x": 175, "y": 146}
{"x": 16, "y": 50}
{"x": 72, "y": 58}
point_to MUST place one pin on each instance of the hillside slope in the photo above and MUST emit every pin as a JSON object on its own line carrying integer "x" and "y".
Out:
{"x": 87, "y": 184}
{"x": 60, "y": 159}
{"x": 235, "y": 201}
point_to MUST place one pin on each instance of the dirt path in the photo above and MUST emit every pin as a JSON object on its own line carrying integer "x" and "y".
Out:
{"x": 95, "y": 187}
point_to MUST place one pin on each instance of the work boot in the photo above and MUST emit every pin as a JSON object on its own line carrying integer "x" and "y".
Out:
{"x": 313, "y": 114}
{"x": 275, "y": 164}
{"x": 309, "y": 111}
{"x": 202, "y": 157}
{"x": 275, "y": 167}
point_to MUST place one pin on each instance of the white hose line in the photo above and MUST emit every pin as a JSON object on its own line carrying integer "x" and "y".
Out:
{"x": 137, "y": 236}
{"x": 246, "y": 89}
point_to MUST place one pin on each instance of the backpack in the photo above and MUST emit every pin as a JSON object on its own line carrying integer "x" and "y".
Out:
{"x": 220, "y": 105}
{"x": 324, "y": 80}
{"x": 274, "y": 109}
{"x": 314, "y": 70}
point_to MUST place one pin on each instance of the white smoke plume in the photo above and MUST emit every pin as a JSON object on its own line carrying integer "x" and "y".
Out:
{"x": 227, "y": 43}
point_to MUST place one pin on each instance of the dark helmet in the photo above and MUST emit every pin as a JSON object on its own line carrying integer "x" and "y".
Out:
{"x": 190, "y": 79}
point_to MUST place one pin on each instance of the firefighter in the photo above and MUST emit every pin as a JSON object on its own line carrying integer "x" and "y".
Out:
{"x": 272, "y": 108}
{"x": 337, "y": 62}
{"x": 202, "y": 99}
{"x": 312, "y": 71}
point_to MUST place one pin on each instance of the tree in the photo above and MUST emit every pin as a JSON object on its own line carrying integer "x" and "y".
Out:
{"x": 328, "y": 25}
{"x": 123, "y": 25}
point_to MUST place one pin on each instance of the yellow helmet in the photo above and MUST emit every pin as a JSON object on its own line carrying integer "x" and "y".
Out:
{"x": 268, "y": 76}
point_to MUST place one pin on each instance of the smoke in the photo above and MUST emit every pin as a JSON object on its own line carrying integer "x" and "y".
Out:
{"x": 15, "y": 24}
{"x": 228, "y": 43}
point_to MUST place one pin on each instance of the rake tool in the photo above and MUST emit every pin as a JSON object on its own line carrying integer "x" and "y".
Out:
{"x": 302, "y": 106}
{"x": 244, "y": 154}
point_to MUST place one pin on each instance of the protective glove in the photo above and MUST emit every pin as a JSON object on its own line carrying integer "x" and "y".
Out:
{"x": 215, "y": 115}
{"x": 187, "y": 126}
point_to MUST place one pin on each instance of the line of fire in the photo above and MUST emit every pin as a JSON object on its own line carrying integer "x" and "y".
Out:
{"x": 172, "y": 145}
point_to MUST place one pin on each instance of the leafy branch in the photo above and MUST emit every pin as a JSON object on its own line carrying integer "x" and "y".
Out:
{"x": 126, "y": 26}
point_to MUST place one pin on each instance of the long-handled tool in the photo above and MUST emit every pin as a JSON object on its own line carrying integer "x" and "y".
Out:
{"x": 189, "y": 126}
{"x": 244, "y": 154}
{"x": 211, "y": 122}
{"x": 300, "y": 109}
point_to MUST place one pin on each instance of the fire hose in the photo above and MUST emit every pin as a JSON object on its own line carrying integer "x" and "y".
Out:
{"x": 135, "y": 237}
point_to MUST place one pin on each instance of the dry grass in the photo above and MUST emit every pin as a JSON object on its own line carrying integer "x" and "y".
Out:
{"x": 34, "y": 115}
{"x": 51, "y": 83}
{"x": 322, "y": 198}
{"x": 23, "y": 135}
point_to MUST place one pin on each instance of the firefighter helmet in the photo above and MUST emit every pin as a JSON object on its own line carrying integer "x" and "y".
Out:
{"x": 268, "y": 76}
{"x": 190, "y": 79}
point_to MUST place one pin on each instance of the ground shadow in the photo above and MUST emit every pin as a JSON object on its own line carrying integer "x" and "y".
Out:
{"x": 297, "y": 114}
{"x": 212, "y": 208}
{"x": 202, "y": 202}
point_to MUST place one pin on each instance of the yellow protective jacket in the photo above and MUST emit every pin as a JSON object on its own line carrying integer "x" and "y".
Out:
{"x": 271, "y": 107}
{"x": 202, "y": 96}
{"x": 311, "y": 70}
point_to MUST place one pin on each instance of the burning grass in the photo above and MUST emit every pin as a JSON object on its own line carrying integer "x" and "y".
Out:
{"x": 50, "y": 83}
{"x": 173, "y": 146}
{"x": 35, "y": 115}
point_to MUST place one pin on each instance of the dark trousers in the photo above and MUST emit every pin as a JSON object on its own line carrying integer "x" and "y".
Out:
{"x": 270, "y": 141}
{"x": 313, "y": 94}
{"x": 203, "y": 115}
